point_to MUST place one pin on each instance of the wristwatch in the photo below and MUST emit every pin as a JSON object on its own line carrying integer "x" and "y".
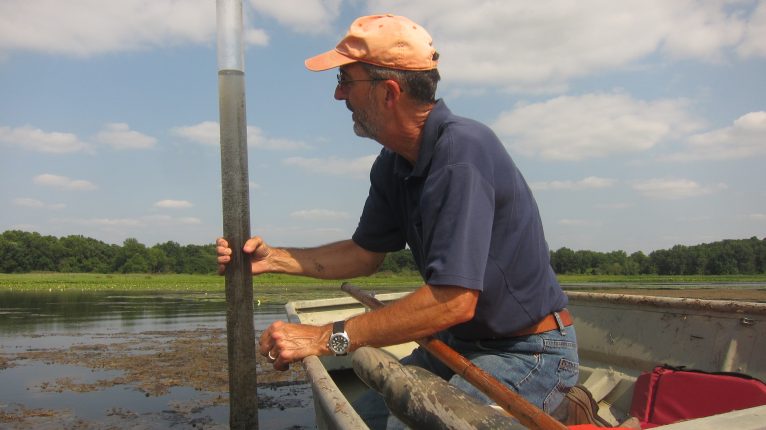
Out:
{"x": 339, "y": 341}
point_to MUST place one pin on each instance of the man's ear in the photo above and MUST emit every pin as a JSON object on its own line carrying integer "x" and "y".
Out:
{"x": 393, "y": 92}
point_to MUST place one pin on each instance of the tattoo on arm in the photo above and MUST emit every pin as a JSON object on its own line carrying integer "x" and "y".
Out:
{"x": 318, "y": 267}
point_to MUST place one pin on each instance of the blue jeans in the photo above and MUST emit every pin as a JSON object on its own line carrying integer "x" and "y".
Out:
{"x": 540, "y": 367}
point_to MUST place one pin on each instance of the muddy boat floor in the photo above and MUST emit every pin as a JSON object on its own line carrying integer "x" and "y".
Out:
{"x": 155, "y": 362}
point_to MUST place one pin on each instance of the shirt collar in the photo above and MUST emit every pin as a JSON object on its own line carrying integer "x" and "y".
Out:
{"x": 431, "y": 132}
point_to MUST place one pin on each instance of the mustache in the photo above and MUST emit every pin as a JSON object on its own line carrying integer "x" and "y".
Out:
{"x": 348, "y": 106}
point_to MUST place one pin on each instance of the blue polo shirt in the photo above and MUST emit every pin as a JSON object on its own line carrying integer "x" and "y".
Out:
{"x": 469, "y": 219}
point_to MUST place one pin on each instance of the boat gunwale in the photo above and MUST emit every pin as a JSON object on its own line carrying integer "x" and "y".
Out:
{"x": 723, "y": 306}
{"x": 293, "y": 306}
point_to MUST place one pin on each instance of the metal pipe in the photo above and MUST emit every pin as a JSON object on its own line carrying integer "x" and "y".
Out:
{"x": 240, "y": 330}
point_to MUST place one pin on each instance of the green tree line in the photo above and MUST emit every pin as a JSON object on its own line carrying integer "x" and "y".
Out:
{"x": 22, "y": 252}
{"x": 726, "y": 257}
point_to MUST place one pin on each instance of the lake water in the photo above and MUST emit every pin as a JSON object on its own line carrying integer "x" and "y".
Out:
{"x": 54, "y": 372}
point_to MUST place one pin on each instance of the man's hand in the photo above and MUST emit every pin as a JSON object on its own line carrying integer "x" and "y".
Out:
{"x": 258, "y": 250}
{"x": 224, "y": 254}
{"x": 283, "y": 343}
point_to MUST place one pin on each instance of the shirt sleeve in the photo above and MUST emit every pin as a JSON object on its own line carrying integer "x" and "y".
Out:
{"x": 457, "y": 212}
{"x": 380, "y": 228}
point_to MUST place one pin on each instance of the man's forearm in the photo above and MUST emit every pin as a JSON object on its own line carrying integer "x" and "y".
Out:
{"x": 415, "y": 316}
{"x": 420, "y": 314}
{"x": 339, "y": 260}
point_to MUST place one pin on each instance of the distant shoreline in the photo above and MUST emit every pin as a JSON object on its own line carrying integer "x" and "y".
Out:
{"x": 279, "y": 289}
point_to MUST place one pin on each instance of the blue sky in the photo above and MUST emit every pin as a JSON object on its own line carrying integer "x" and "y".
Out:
{"x": 638, "y": 124}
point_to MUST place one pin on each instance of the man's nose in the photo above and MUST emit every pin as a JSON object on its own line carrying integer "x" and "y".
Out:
{"x": 340, "y": 93}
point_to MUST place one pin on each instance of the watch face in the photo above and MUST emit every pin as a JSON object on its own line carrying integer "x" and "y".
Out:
{"x": 338, "y": 343}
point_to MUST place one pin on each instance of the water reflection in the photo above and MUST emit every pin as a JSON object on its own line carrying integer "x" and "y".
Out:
{"x": 33, "y": 322}
{"x": 37, "y": 311}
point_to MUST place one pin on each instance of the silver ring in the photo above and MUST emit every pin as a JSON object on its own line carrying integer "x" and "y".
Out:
{"x": 272, "y": 358}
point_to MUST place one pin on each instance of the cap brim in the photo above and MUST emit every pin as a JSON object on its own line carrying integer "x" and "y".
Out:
{"x": 327, "y": 61}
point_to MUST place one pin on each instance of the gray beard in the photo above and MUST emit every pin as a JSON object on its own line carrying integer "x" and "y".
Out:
{"x": 364, "y": 128}
{"x": 361, "y": 131}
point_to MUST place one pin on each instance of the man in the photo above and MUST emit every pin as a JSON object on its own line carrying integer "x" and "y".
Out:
{"x": 446, "y": 187}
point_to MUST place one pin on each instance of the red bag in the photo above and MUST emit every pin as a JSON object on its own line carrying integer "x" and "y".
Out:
{"x": 670, "y": 394}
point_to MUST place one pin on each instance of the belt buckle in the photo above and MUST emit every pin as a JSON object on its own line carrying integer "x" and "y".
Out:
{"x": 559, "y": 323}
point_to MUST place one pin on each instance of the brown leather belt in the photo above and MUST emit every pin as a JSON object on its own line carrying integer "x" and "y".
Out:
{"x": 546, "y": 324}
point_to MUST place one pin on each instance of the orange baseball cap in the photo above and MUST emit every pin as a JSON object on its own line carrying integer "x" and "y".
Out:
{"x": 383, "y": 40}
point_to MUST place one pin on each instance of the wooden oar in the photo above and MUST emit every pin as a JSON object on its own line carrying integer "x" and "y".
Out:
{"x": 517, "y": 406}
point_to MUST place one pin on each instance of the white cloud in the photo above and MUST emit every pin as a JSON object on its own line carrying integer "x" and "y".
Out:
{"x": 755, "y": 33}
{"x": 26, "y": 202}
{"x": 99, "y": 222}
{"x": 319, "y": 214}
{"x": 189, "y": 220}
{"x": 91, "y": 27}
{"x": 113, "y": 222}
{"x": 258, "y": 139}
{"x": 166, "y": 220}
{"x": 303, "y": 16}
{"x": 591, "y": 182}
{"x": 173, "y": 204}
{"x": 208, "y": 133}
{"x": 745, "y": 138}
{"x": 356, "y": 167}
{"x": 701, "y": 29}
{"x": 520, "y": 45}
{"x": 757, "y": 217}
{"x": 592, "y": 126}
{"x": 256, "y": 36}
{"x": 120, "y": 136}
{"x": 63, "y": 183}
{"x": 523, "y": 45}
{"x": 38, "y": 140}
{"x": 673, "y": 189}
{"x": 139, "y": 222}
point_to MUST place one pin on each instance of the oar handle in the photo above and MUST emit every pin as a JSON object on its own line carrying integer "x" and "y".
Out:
{"x": 528, "y": 414}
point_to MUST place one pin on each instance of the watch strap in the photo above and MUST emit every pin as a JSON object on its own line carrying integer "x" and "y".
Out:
{"x": 339, "y": 326}
{"x": 339, "y": 332}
